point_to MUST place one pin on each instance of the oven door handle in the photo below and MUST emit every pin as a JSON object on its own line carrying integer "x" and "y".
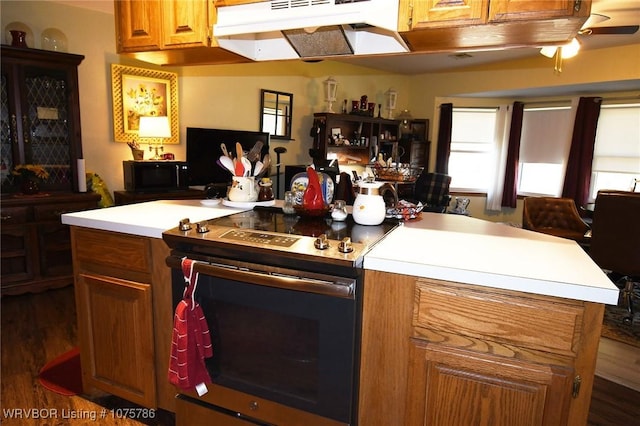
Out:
{"x": 276, "y": 280}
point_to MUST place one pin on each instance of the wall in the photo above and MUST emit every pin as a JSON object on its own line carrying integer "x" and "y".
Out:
{"x": 209, "y": 96}
{"x": 228, "y": 96}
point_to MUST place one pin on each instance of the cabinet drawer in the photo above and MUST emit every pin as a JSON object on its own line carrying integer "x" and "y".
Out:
{"x": 54, "y": 211}
{"x": 14, "y": 215}
{"x": 486, "y": 319}
{"x": 121, "y": 251}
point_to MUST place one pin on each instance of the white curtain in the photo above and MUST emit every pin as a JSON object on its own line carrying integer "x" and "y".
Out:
{"x": 501, "y": 145}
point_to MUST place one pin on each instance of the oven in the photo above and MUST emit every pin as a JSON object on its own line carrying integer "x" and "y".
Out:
{"x": 282, "y": 304}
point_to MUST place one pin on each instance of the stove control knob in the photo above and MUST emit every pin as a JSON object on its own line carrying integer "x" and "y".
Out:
{"x": 201, "y": 228}
{"x": 321, "y": 242}
{"x": 345, "y": 245}
{"x": 185, "y": 224}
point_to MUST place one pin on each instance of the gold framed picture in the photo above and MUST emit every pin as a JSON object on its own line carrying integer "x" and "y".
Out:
{"x": 139, "y": 92}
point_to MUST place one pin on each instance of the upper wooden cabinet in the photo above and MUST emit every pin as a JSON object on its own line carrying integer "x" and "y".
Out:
{"x": 186, "y": 23}
{"x": 437, "y": 25}
{"x": 138, "y": 25}
{"x": 415, "y": 14}
{"x": 154, "y": 25}
{"x": 175, "y": 32}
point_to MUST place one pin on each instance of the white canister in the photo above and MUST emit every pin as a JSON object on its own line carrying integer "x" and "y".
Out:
{"x": 243, "y": 189}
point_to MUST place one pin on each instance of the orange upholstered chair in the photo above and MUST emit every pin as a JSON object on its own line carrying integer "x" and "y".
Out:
{"x": 555, "y": 216}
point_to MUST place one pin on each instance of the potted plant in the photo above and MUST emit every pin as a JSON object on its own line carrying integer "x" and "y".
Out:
{"x": 29, "y": 176}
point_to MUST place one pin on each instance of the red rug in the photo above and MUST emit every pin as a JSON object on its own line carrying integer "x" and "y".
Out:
{"x": 63, "y": 375}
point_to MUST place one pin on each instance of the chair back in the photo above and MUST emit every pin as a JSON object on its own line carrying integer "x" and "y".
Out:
{"x": 552, "y": 212}
{"x": 432, "y": 189}
{"x": 615, "y": 232}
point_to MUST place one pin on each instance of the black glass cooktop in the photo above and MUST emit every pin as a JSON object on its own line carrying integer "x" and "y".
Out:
{"x": 274, "y": 220}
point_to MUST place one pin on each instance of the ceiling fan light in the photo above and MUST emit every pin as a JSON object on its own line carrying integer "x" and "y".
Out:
{"x": 571, "y": 49}
{"x": 549, "y": 51}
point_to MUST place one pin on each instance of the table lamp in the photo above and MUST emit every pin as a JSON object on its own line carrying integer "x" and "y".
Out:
{"x": 155, "y": 128}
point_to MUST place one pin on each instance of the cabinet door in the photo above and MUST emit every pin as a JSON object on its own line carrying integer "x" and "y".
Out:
{"x": 185, "y": 23}
{"x": 17, "y": 245}
{"x": 138, "y": 25}
{"x": 449, "y": 387}
{"x": 438, "y": 13}
{"x": 116, "y": 334}
{"x": 513, "y": 10}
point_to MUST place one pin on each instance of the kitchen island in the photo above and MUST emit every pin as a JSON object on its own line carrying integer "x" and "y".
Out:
{"x": 466, "y": 319}
{"x": 453, "y": 305}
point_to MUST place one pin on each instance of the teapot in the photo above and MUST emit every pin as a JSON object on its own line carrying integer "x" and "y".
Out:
{"x": 369, "y": 207}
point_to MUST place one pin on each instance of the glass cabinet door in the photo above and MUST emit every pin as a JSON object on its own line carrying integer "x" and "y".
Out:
{"x": 40, "y": 116}
{"x": 47, "y": 137}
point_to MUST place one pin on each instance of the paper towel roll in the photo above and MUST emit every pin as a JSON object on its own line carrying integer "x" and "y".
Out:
{"x": 82, "y": 176}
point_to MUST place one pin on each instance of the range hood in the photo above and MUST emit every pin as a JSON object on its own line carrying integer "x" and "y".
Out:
{"x": 290, "y": 29}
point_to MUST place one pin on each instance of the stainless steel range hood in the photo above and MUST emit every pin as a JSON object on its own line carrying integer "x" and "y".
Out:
{"x": 290, "y": 29}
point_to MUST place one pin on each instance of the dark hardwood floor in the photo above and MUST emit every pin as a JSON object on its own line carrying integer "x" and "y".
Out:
{"x": 36, "y": 328}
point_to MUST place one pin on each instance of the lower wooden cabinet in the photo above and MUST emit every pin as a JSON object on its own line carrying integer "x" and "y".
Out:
{"x": 123, "y": 303}
{"x": 456, "y": 387}
{"x": 35, "y": 247}
{"x": 445, "y": 353}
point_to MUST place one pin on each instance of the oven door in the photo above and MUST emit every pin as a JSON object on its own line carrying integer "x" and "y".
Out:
{"x": 281, "y": 335}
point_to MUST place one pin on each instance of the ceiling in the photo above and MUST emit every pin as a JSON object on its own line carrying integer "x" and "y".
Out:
{"x": 620, "y": 12}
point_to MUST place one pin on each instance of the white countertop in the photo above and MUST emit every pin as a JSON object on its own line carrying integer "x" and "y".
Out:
{"x": 472, "y": 251}
{"x": 148, "y": 219}
{"x": 440, "y": 246}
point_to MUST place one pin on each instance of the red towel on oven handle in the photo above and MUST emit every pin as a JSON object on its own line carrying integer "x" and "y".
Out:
{"x": 191, "y": 341}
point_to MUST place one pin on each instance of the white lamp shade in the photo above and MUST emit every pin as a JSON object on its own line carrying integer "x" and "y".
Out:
{"x": 392, "y": 97}
{"x": 330, "y": 87}
{"x": 154, "y": 127}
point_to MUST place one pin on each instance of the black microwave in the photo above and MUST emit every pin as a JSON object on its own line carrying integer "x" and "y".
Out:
{"x": 155, "y": 176}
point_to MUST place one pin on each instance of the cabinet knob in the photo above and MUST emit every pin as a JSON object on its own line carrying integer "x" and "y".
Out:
{"x": 5, "y": 217}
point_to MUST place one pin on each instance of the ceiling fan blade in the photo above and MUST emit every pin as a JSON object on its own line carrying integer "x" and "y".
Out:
{"x": 620, "y": 30}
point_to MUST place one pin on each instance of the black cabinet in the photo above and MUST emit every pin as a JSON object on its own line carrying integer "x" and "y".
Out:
{"x": 352, "y": 138}
{"x": 414, "y": 144}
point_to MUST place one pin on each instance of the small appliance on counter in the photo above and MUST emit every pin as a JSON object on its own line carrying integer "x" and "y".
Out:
{"x": 155, "y": 176}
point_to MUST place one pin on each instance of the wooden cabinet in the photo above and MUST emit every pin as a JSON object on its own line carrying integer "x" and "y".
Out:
{"x": 154, "y": 24}
{"x": 138, "y": 25}
{"x": 35, "y": 246}
{"x": 353, "y": 138}
{"x": 425, "y": 13}
{"x": 444, "y": 353}
{"x": 169, "y": 32}
{"x": 432, "y": 25}
{"x": 40, "y": 115}
{"x": 124, "y": 308}
{"x": 414, "y": 143}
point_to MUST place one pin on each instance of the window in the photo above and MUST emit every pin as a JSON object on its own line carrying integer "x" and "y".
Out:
{"x": 544, "y": 148}
{"x": 472, "y": 145}
{"x": 616, "y": 156}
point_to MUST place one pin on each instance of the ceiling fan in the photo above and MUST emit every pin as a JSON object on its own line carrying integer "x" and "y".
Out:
{"x": 571, "y": 49}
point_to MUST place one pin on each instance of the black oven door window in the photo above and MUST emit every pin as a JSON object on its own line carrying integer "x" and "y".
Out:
{"x": 291, "y": 347}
